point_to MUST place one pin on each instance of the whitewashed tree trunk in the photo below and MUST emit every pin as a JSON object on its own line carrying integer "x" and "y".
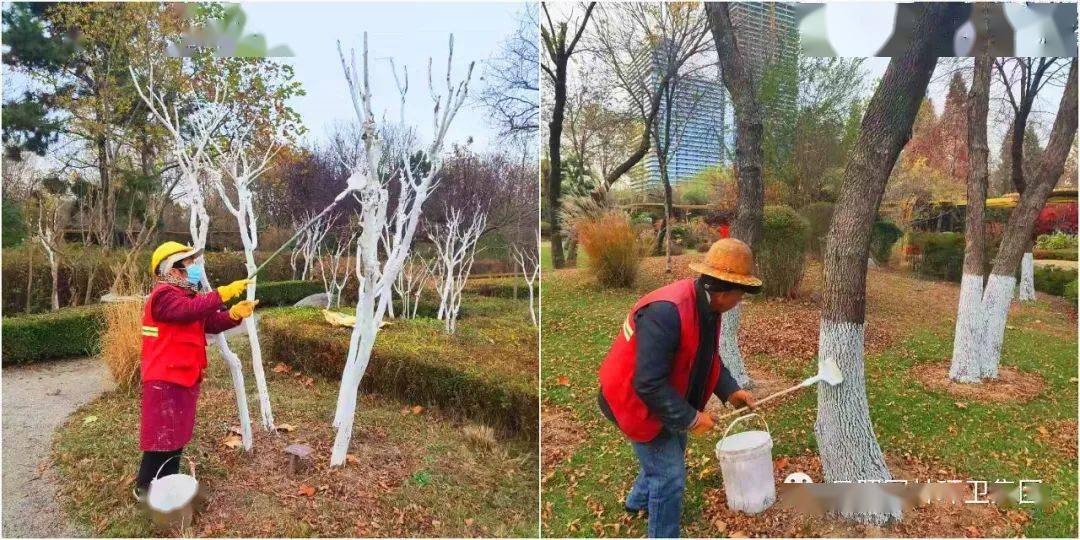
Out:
{"x": 377, "y": 276}
{"x": 528, "y": 260}
{"x": 410, "y": 284}
{"x": 337, "y": 276}
{"x": 189, "y": 143}
{"x": 969, "y": 337}
{"x": 845, "y": 434}
{"x": 729, "y": 347}
{"x": 1027, "y": 278}
{"x": 455, "y": 242}
{"x": 996, "y": 299}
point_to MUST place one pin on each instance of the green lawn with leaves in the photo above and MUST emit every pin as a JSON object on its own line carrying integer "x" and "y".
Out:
{"x": 416, "y": 467}
{"x": 582, "y": 494}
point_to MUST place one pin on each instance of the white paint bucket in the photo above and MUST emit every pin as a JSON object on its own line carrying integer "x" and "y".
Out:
{"x": 171, "y": 499}
{"x": 747, "y": 467}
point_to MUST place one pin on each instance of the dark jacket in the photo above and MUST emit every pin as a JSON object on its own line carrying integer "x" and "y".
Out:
{"x": 657, "y": 326}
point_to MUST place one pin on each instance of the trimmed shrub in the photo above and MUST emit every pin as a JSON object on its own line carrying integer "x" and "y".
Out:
{"x": 781, "y": 253}
{"x": 883, "y": 235}
{"x": 1051, "y": 280}
{"x": 1055, "y": 254}
{"x": 415, "y": 360}
{"x": 1056, "y": 240}
{"x": 1057, "y": 217}
{"x": 940, "y": 255}
{"x": 285, "y": 293}
{"x": 14, "y": 225}
{"x": 612, "y": 247}
{"x": 60, "y": 334}
{"x": 818, "y": 218}
{"x": 1070, "y": 292}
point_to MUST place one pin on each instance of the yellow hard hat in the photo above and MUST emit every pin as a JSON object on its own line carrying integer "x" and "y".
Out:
{"x": 170, "y": 252}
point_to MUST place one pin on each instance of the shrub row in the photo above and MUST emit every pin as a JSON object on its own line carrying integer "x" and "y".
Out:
{"x": 1051, "y": 280}
{"x": 939, "y": 255}
{"x": 1055, "y": 254}
{"x": 61, "y": 334}
{"x": 74, "y": 331}
{"x": 76, "y": 269}
{"x": 781, "y": 254}
{"x": 415, "y": 362}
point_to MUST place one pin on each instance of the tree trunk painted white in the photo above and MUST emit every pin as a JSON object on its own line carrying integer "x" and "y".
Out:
{"x": 528, "y": 260}
{"x": 189, "y": 141}
{"x": 455, "y": 242}
{"x": 845, "y": 434}
{"x": 410, "y": 284}
{"x": 1027, "y": 278}
{"x": 337, "y": 276}
{"x": 996, "y": 299}
{"x": 969, "y": 337}
{"x": 730, "y": 354}
{"x": 242, "y": 167}
{"x": 376, "y": 276}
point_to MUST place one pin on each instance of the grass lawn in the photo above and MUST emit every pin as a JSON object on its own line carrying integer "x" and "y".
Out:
{"x": 589, "y": 467}
{"x": 415, "y": 469}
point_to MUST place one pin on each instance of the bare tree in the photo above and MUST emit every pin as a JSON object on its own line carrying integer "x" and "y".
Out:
{"x": 455, "y": 244}
{"x": 1024, "y": 79}
{"x": 1021, "y": 224}
{"x": 411, "y": 283}
{"x": 413, "y": 183}
{"x": 512, "y": 93}
{"x": 334, "y": 266}
{"x": 845, "y": 435}
{"x": 527, "y": 258}
{"x": 750, "y": 198}
{"x": 51, "y": 210}
{"x": 560, "y": 43}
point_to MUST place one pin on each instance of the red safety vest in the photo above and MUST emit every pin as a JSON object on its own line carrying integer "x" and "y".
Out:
{"x": 173, "y": 352}
{"x": 617, "y": 370}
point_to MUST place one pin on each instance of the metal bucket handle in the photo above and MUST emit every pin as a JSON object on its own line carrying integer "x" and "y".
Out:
{"x": 177, "y": 456}
{"x": 743, "y": 417}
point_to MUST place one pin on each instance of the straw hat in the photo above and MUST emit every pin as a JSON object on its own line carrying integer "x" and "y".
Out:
{"x": 729, "y": 260}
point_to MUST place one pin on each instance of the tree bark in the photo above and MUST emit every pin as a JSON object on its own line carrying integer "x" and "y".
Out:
{"x": 749, "y": 204}
{"x": 554, "y": 191}
{"x": 970, "y": 320}
{"x": 845, "y": 433}
{"x": 1021, "y": 225}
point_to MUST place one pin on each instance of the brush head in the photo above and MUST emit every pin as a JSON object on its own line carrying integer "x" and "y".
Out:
{"x": 829, "y": 372}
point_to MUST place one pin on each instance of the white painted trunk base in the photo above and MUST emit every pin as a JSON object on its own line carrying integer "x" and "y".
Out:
{"x": 845, "y": 435}
{"x": 1027, "y": 278}
{"x": 729, "y": 347}
{"x": 996, "y": 298}
{"x": 969, "y": 335}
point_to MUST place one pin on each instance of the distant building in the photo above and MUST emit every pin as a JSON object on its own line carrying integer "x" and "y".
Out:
{"x": 702, "y": 119}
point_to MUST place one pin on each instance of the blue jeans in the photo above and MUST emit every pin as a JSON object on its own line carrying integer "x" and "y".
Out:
{"x": 660, "y": 484}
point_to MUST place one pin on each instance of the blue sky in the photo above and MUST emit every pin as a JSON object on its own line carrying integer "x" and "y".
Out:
{"x": 408, "y": 32}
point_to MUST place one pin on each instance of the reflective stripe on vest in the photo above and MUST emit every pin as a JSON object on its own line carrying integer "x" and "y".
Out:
{"x": 150, "y": 331}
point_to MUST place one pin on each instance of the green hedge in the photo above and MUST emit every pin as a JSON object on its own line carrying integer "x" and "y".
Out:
{"x": 222, "y": 267}
{"x": 61, "y": 334}
{"x": 487, "y": 372}
{"x": 285, "y": 293}
{"x": 1070, "y": 291}
{"x": 781, "y": 253}
{"x": 941, "y": 255}
{"x": 883, "y": 235}
{"x": 1055, "y": 254}
{"x": 1051, "y": 280}
{"x": 818, "y": 218}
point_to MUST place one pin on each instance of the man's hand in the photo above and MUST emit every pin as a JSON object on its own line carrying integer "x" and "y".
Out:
{"x": 243, "y": 309}
{"x": 703, "y": 423}
{"x": 740, "y": 398}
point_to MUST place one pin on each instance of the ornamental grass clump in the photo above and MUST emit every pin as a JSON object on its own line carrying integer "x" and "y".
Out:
{"x": 612, "y": 246}
{"x": 121, "y": 340}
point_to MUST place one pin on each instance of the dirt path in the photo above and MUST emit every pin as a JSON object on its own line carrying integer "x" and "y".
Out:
{"x": 37, "y": 399}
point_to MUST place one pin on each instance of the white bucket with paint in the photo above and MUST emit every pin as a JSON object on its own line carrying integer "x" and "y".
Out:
{"x": 747, "y": 467}
{"x": 171, "y": 498}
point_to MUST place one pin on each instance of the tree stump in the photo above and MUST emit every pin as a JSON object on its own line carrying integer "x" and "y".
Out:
{"x": 299, "y": 457}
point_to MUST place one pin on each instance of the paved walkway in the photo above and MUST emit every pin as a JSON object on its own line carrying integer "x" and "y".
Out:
{"x": 37, "y": 399}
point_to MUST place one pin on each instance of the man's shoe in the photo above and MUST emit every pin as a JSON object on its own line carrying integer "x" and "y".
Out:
{"x": 139, "y": 494}
{"x": 636, "y": 511}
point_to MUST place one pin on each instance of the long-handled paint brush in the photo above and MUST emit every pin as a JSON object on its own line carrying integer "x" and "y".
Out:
{"x": 828, "y": 372}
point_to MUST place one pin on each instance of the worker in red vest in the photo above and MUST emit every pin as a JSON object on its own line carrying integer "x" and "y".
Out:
{"x": 176, "y": 319}
{"x": 661, "y": 369}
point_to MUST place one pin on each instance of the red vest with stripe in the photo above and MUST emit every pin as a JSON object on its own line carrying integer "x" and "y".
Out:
{"x": 173, "y": 352}
{"x": 617, "y": 370}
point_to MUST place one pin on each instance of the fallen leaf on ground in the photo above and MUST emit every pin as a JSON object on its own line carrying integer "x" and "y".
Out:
{"x": 89, "y": 420}
{"x": 306, "y": 490}
{"x": 562, "y": 380}
{"x": 961, "y": 405}
{"x": 417, "y": 409}
{"x": 1042, "y": 429}
{"x": 281, "y": 368}
{"x": 233, "y": 441}
{"x": 351, "y": 458}
{"x": 781, "y": 462}
{"x": 286, "y": 427}
{"x": 468, "y": 522}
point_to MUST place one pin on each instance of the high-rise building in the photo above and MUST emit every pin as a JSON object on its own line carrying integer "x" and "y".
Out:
{"x": 702, "y": 127}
